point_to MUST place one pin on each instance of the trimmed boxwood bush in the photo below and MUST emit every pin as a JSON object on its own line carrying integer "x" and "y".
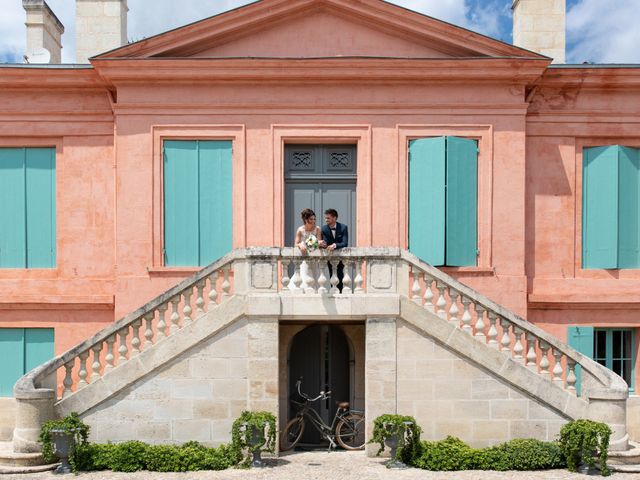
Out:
{"x": 452, "y": 454}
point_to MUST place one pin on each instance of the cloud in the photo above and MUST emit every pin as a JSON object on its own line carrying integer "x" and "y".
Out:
{"x": 604, "y": 31}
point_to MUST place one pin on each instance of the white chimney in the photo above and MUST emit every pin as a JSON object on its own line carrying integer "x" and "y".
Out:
{"x": 44, "y": 33}
{"x": 101, "y": 25}
{"x": 539, "y": 25}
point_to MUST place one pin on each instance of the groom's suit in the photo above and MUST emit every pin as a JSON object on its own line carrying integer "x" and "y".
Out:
{"x": 341, "y": 240}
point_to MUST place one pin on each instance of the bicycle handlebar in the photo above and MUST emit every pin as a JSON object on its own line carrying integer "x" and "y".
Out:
{"x": 322, "y": 396}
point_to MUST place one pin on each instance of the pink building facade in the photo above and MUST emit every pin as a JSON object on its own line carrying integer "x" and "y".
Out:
{"x": 365, "y": 74}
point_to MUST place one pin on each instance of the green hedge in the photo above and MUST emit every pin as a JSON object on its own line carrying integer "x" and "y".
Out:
{"x": 134, "y": 456}
{"x": 452, "y": 454}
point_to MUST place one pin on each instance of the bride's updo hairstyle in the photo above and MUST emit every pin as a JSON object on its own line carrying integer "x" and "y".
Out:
{"x": 306, "y": 214}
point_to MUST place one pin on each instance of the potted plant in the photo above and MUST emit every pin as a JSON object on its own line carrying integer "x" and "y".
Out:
{"x": 59, "y": 439}
{"x": 400, "y": 433}
{"x": 585, "y": 442}
{"x": 256, "y": 433}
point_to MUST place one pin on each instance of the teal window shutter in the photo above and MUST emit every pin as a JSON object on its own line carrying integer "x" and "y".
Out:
{"x": 41, "y": 207}
{"x": 197, "y": 201}
{"x": 215, "y": 200}
{"x": 581, "y": 339}
{"x": 13, "y": 228}
{"x": 427, "y": 199}
{"x": 12, "y": 368}
{"x": 600, "y": 207}
{"x": 461, "y": 202}
{"x": 38, "y": 347}
{"x": 629, "y": 208}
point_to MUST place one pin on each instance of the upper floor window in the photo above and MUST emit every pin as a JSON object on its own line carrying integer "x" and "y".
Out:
{"x": 27, "y": 208}
{"x": 611, "y": 207}
{"x": 443, "y": 203}
{"x": 197, "y": 201}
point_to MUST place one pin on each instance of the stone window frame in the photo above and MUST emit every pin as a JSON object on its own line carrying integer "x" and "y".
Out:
{"x": 236, "y": 134}
{"x": 483, "y": 134}
{"x": 595, "y": 273}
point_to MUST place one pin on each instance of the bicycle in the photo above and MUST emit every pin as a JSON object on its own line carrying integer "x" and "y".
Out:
{"x": 347, "y": 427}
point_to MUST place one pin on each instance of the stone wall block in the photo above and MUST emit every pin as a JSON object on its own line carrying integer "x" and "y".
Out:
{"x": 488, "y": 388}
{"x": 187, "y": 430}
{"x": 494, "y": 431}
{"x": 471, "y": 409}
{"x": 509, "y": 409}
{"x": 173, "y": 409}
{"x": 528, "y": 429}
{"x": 211, "y": 409}
{"x": 153, "y": 432}
{"x": 191, "y": 388}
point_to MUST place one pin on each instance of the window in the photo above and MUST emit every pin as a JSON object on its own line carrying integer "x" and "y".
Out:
{"x": 197, "y": 201}
{"x": 611, "y": 207}
{"x": 23, "y": 349}
{"x": 443, "y": 204}
{"x": 27, "y": 208}
{"x": 611, "y": 347}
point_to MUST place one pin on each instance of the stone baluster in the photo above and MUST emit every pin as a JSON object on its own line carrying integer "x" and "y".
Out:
{"x": 213, "y": 290}
{"x": 200, "y": 298}
{"x": 122, "y": 349}
{"x": 285, "y": 275}
{"x": 466, "y": 316}
{"x": 531, "y": 352}
{"x": 334, "y": 278}
{"x": 148, "y": 331}
{"x": 109, "y": 358}
{"x": 226, "y": 285}
{"x": 415, "y": 286}
{"x": 505, "y": 342}
{"x": 453, "y": 309}
{"x": 322, "y": 278}
{"x": 492, "y": 334}
{"x": 428, "y": 294}
{"x": 557, "y": 368}
{"x": 479, "y": 335}
{"x": 346, "y": 280}
{"x": 358, "y": 280}
{"x": 544, "y": 360}
{"x": 162, "y": 324}
{"x": 135, "y": 340}
{"x": 442, "y": 301}
{"x": 82, "y": 372}
{"x": 571, "y": 375}
{"x": 297, "y": 276}
{"x": 95, "y": 366}
{"x": 518, "y": 348}
{"x": 186, "y": 309}
{"x": 68, "y": 379}
{"x": 311, "y": 279}
{"x": 175, "y": 316}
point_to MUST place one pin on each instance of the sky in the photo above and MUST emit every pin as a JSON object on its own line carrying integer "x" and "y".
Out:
{"x": 598, "y": 31}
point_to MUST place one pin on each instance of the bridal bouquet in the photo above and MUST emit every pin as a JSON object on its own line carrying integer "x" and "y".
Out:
{"x": 312, "y": 243}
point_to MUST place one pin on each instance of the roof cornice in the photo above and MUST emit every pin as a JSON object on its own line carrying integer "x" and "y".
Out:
{"x": 47, "y": 78}
{"x": 602, "y": 77}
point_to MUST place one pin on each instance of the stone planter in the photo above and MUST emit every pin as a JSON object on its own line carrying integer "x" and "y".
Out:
{"x": 258, "y": 439}
{"x": 63, "y": 443}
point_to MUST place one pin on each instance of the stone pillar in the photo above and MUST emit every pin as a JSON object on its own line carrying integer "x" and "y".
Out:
{"x": 380, "y": 371}
{"x": 610, "y": 407}
{"x": 101, "y": 25}
{"x": 32, "y": 410}
{"x": 539, "y": 25}
{"x": 44, "y": 31}
{"x": 263, "y": 368}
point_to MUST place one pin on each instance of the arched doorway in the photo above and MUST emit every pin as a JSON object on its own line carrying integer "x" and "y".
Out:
{"x": 322, "y": 357}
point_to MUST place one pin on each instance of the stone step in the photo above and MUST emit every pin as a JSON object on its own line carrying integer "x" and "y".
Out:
{"x": 634, "y": 468}
{"x": 629, "y": 457}
{"x": 9, "y": 458}
{"x": 5, "y": 470}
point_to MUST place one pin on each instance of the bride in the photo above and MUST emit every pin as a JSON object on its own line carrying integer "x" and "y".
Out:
{"x": 306, "y": 230}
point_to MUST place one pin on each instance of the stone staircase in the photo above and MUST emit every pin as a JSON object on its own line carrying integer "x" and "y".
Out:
{"x": 21, "y": 463}
{"x": 181, "y": 369}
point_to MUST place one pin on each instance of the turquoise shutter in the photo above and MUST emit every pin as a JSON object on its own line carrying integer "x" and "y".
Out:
{"x": 427, "y": 199}
{"x": 41, "y": 207}
{"x": 13, "y": 229}
{"x": 581, "y": 339}
{"x": 629, "y": 208}
{"x": 462, "y": 202}
{"x": 12, "y": 366}
{"x": 38, "y": 347}
{"x": 215, "y": 200}
{"x": 181, "y": 226}
{"x": 600, "y": 207}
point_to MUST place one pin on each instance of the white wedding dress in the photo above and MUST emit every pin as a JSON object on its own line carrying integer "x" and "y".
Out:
{"x": 307, "y": 272}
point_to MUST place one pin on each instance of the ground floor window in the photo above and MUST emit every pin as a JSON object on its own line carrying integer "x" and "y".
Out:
{"x": 22, "y": 349}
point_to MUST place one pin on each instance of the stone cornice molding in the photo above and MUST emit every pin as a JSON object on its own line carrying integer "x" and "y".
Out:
{"x": 43, "y": 78}
{"x": 605, "y": 77}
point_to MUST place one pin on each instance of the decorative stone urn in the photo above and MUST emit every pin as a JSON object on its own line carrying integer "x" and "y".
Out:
{"x": 258, "y": 439}
{"x": 393, "y": 441}
{"x": 63, "y": 442}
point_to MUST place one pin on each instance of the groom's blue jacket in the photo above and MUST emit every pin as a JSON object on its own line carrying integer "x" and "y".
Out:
{"x": 342, "y": 235}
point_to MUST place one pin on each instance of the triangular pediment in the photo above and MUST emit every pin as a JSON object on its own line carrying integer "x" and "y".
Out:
{"x": 319, "y": 29}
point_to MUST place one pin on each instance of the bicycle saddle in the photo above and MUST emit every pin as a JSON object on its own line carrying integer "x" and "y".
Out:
{"x": 344, "y": 405}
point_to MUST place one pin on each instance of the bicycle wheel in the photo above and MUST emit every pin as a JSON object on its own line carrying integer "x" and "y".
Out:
{"x": 291, "y": 434}
{"x": 350, "y": 431}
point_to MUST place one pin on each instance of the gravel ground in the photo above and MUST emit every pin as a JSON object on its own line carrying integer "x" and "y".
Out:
{"x": 320, "y": 465}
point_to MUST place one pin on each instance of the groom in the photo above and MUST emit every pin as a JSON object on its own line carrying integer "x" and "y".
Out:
{"x": 335, "y": 236}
